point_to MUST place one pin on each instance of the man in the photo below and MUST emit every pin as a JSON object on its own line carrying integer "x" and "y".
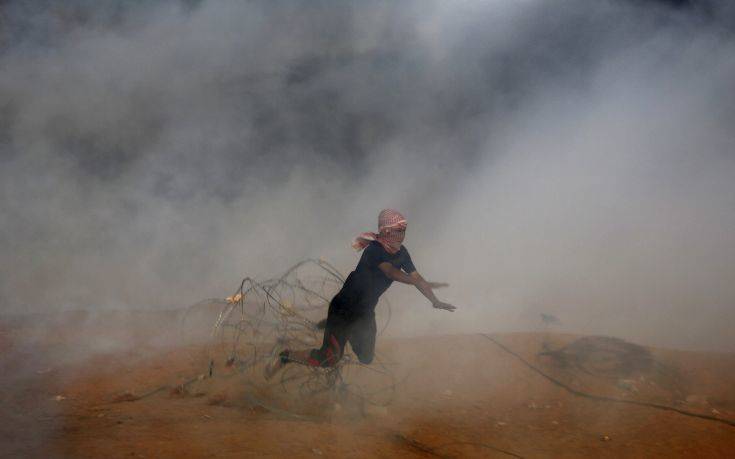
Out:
{"x": 351, "y": 315}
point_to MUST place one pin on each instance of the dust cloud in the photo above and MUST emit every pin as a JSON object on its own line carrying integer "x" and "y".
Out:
{"x": 573, "y": 158}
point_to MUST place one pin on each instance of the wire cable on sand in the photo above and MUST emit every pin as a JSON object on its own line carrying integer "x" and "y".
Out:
{"x": 602, "y": 398}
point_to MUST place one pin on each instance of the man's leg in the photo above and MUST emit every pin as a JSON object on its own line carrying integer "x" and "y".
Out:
{"x": 362, "y": 338}
{"x": 335, "y": 337}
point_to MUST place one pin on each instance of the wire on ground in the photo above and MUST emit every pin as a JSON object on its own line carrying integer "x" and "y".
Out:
{"x": 603, "y": 398}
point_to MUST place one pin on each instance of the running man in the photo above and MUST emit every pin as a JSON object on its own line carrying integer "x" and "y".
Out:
{"x": 351, "y": 315}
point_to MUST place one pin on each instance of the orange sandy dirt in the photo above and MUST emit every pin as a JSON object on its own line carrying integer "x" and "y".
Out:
{"x": 72, "y": 387}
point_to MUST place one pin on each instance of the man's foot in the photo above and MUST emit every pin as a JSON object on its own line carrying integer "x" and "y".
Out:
{"x": 275, "y": 365}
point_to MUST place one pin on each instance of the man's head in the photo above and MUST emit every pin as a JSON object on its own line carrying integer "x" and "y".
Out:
{"x": 391, "y": 231}
{"x": 392, "y": 227}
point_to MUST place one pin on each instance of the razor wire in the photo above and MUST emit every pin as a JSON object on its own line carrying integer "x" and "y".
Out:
{"x": 263, "y": 317}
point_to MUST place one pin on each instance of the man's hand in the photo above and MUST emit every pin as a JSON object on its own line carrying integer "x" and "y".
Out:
{"x": 416, "y": 280}
{"x": 443, "y": 305}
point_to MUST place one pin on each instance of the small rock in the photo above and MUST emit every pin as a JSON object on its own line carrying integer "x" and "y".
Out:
{"x": 178, "y": 391}
{"x": 696, "y": 399}
{"x": 627, "y": 384}
{"x": 605, "y": 438}
{"x": 316, "y": 451}
{"x": 556, "y": 423}
{"x": 125, "y": 397}
{"x": 218, "y": 399}
{"x": 59, "y": 398}
{"x": 715, "y": 412}
{"x": 501, "y": 423}
{"x": 448, "y": 393}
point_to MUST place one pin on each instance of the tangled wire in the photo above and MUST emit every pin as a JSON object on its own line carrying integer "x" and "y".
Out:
{"x": 261, "y": 318}
{"x": 603, "y": 356}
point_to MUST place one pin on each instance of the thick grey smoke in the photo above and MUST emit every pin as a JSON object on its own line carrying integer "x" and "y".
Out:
{"x": 571, "y": 157}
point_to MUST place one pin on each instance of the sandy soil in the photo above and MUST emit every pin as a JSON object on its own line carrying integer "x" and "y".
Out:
{"x": 71, "y": 387}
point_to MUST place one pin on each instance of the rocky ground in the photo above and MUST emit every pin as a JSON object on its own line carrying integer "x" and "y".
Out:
{"x": 137, "y": 385}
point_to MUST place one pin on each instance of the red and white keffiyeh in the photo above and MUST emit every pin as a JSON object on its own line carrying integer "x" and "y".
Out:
{"x": 391, "y": 230}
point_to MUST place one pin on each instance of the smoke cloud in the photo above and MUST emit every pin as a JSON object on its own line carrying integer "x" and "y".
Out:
{"x": 573, "y": 157}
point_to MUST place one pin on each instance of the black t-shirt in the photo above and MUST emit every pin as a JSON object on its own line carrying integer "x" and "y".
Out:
{"x": 366, "y": 283}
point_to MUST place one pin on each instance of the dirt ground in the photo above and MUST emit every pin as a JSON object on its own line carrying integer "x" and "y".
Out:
{"x": 137, "y": 385}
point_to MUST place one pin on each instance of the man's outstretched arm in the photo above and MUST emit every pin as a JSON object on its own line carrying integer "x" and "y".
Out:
{"x": 417, "y": 281}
